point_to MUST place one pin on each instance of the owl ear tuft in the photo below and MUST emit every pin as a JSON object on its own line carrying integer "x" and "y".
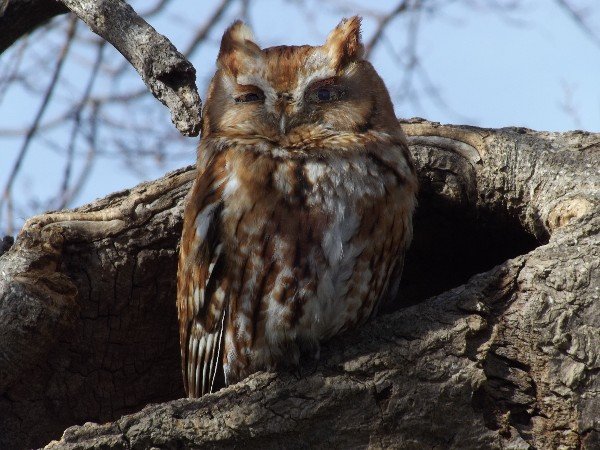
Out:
{"x": 344, "y": 44}
{"x": 237, "y": 47}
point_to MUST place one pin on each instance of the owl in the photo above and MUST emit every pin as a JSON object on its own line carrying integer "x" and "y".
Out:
{"x": 298, "y": 220}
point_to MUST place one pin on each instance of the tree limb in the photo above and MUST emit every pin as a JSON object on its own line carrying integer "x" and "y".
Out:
{"x": 170, "y": 77}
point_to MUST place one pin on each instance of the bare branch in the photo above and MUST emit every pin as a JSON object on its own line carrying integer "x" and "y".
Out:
{"x": 202, "y": 33}
{"x": 66, "y": 194}
{"x": 383, "y": 23}
{"x": 170, "y": 77}
{"x": 567, "y": 104}
{"x": 580, "y": 20}
{"x": 90, "y": 157}
{"x": 90, "y": 292}
{"x": 6, "y": 194}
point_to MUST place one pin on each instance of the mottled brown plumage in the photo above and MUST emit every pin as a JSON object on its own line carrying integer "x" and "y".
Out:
{"x": 297, "y": 224}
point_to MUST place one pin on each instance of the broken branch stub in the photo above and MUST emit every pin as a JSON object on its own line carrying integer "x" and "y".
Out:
{"x": 167, "y": 73}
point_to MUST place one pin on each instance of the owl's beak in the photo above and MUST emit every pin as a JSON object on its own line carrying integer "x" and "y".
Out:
{"x": 284, "y": 107}
{"x": 283, "y": 124}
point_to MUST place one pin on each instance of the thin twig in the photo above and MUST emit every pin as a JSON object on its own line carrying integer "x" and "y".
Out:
{"x": 568, "y": 103}
{"x": 90, "y": 156}
{"x": 11, "y": 70}
{"x": 579, "y": 20}
{"x": 245, "y": 12}
{"x": 160, "y": 6}
{"x": 202, "y": 33}
{"x": 64, "y": 195}
{"x": 6, "y": 194}
{"x": 382, "y": 25}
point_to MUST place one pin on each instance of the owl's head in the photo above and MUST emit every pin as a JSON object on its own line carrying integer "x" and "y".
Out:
{"x": 273, "y": 92}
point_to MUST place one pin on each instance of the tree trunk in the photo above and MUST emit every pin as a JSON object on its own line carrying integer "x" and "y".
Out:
{"x": 495, "y": 342}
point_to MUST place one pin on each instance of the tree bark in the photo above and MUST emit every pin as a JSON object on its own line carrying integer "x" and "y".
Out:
{"x": 495, "y": 343}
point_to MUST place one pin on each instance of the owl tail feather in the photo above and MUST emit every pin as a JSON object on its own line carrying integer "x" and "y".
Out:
{"x": 205, "y": 368}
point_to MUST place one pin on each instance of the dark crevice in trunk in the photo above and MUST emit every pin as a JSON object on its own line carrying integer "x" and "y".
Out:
{"x": 451, "y": 244}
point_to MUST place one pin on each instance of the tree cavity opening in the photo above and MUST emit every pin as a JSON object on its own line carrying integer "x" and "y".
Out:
{"x": 452, "y": 243}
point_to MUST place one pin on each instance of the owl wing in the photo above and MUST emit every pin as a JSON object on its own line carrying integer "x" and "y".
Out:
{"x": 400, "y": 160}
{"x": 202, "y": 291}
{"x": 389, "y": 300}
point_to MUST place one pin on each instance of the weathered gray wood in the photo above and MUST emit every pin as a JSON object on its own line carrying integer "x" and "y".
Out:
{"x": 87, "y": 313}
{"x": 508, "y": 359}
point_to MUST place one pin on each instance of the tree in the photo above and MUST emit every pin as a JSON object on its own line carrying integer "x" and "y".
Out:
{"x": 507, "y": 359}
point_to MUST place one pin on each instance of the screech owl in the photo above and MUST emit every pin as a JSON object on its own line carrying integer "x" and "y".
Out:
{"x": 297, "y": 223}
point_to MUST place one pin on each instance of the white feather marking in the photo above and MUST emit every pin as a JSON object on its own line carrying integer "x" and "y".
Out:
{"x": 206, "y": 361}
{"x": 258, "y": 80}
{"x": 229, "y": 84}
{"x": 305, "y": 81}
{"x": 243, "y": 324}
{"x": 231, "y": 356}
{"x": 204, "y": 219}
{"x": 342, "y": 229}
{"x": 198, "y": 298}
{"x": 219, "y": 295}
{"x": 201, "y": 347}
{"x": 282, "y": 179}
{"x": 337, "y": 184}
{"x": 280, "y": 249}
{"x": 314, "y": 171}
{"x": 242, "y": 32}
{"x": 211, "y": 266}
{"x": 193, "y": 351}
{"x": 279, "y": 152}
{"x": 231, "y": 186}
{"x": 218, "y": 344}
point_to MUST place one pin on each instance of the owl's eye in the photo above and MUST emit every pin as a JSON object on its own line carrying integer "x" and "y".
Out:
{"x": 324, "y": 95}
{"x": 250, "y": 97}
{"x": 325, "y": 91}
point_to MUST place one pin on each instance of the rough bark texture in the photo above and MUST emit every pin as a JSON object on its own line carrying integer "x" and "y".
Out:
{"x": 508, "y": 358}
{"x": 167, "y": 73}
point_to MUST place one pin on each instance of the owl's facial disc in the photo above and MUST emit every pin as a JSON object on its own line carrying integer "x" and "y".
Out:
{"x": 310, "y": 91}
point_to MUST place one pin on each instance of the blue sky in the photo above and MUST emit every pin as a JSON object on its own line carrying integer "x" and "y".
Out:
{"x": 490, "y": 69}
